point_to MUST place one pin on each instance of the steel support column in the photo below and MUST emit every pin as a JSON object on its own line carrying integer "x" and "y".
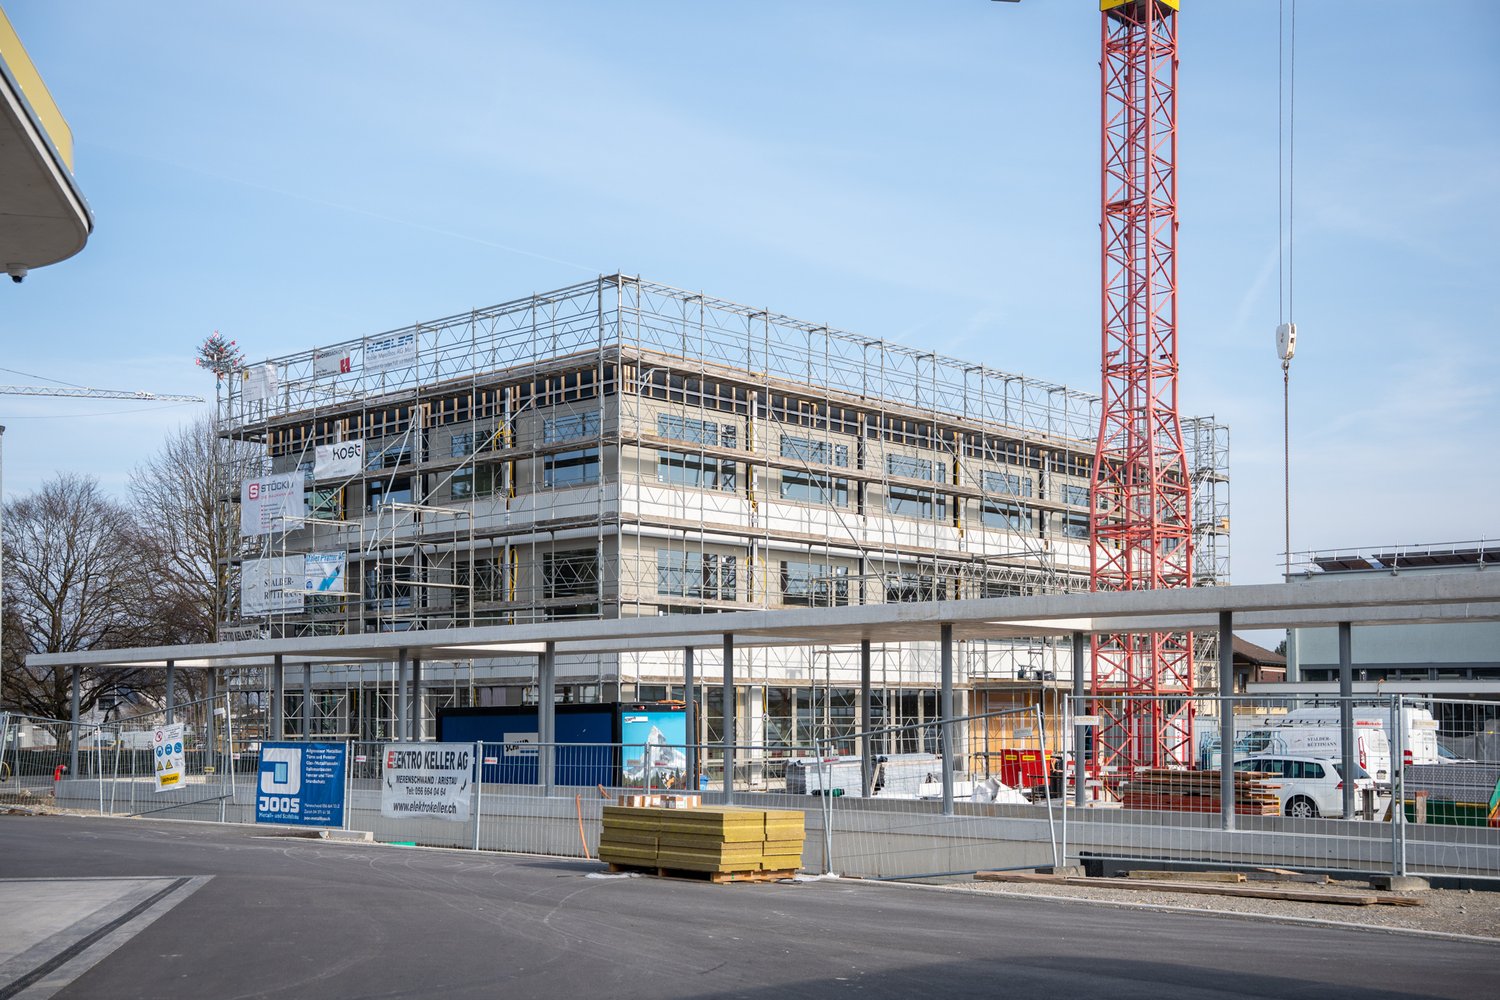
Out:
{"x": 1080, "y": 733}
{"x": 866, "y": 745}
{"x": 417, "y": 729}
{"x": 546, "y": 716}
{"x": 278, "y": 699}
{"x": 945, "y": 710}
{"x": 1226, "y": 720}
{"x": 1346, "y": 718}
{"x": 307, "y": 713}
{"x": 171, "y": 692}
{"x": 690, "y": 716}
{"x": 729, "y": 717}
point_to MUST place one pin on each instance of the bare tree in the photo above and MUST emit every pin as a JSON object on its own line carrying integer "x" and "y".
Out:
{"x": 78, "y": 576}
{"x": 186, "y": 497}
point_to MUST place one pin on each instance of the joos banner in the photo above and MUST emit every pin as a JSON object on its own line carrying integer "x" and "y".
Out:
{"x": 167, "y": 753}
{"x": 301, "y": 784}
{"x": 427, "y": 780}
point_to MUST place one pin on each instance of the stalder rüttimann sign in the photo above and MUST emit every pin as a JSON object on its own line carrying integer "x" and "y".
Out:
{"x": 427, "y": 780}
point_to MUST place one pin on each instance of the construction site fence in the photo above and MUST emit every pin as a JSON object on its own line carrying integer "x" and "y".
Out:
{"x": 1422, "y": 796}
{"x": 1015, "y": 796}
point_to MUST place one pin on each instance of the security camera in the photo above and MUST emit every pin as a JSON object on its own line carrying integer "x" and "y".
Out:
{"x": 17, "y": 272}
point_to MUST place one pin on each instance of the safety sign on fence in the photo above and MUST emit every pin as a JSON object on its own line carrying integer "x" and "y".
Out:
{"x": 301, "y": 784}
{"x": 427, "y": 780}
{"x": 167, "y": 753}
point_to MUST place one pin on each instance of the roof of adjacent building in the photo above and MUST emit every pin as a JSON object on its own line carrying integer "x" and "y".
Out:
{"x": 43, "y": 215}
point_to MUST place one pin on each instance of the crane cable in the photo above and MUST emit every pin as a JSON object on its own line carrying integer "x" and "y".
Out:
{"x": 1286, "y": 129}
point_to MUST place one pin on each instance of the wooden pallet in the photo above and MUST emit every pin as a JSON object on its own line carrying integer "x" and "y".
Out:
{"x": 719, "y": 878}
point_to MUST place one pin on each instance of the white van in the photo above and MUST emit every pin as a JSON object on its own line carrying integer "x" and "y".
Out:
{"x": 1418, "y": 731}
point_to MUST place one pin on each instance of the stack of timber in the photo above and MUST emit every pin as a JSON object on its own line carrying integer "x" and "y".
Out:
{"x": 1198, "y": 791}
{"x": 721, "y": 842}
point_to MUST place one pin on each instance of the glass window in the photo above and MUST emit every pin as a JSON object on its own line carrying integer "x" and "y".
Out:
{"x": 689, "y": 429}
{"x": 905, "y": 501}
{"x": 572, "y": 468}
{"x": 571, "y": 574}
{"x": 388, "y": 457}
{"x": 814, "y": 584}
{"x": 902, "y": 587}
{"x": 696, "y": 574}
{"x": 1075, "y": 526}
{"x": 1077, "y": 496}
{"x": 812, "y": 487}
{"x": 461, "y": 444}
{"x": 682, "y": 469}
{"x": 479, "y": 480}
{"x": 1004, "y": 515}
{"x": 576, "y": 425}
{"x": 483, "y": 576}
{"x": 379, "y": 492}
{"x": 325, "y": 505}
{"x": 1006, "y": 483}
{"x": 916, "y": 468}
{"x": 814, "y": 452}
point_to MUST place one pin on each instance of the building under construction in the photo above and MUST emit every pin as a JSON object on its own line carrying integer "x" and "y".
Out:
{"x": 620, "y": 448}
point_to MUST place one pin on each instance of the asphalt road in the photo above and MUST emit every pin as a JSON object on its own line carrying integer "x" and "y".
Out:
{"x": 296, "y": 918}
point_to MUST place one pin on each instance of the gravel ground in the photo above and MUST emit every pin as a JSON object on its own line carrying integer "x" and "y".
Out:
{"x": 1449, "y": 911}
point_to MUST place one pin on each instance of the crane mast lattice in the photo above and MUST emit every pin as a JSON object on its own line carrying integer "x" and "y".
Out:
{"x": 1141, "y": 524}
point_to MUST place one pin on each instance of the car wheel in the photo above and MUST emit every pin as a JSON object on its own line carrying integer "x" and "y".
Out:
{"x": 1301, "y": 808}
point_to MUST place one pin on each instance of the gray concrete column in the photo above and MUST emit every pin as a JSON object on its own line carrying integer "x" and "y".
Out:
{"x": 278, "y": 699}
{"x": 866, "y": 711}
{"x": 403, "y": 709}
{"x": 417, "y": 730}
{"x": 171, "y": 692}
{"x": 1226, "y": 720}
{"x": 1346, "y": 717}
{"x": 945, "y": 710}
{"x": 307, "y": 712}
{"x": 546, "y": 716}
{"x": 730, "y": 710}
{"x": 1080, "y": 733}
{"x": 690, "y": 716}
{"x": 75, "y": 700}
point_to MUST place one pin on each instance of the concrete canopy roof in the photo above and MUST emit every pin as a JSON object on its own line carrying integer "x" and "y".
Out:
{"x": 43, "y": 215}
{"x": 1317, "y": 600}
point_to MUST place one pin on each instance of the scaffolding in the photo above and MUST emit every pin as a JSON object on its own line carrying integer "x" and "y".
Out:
{"x": 620, "y": 447}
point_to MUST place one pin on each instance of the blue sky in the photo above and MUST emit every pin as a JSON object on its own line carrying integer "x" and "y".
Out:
{"x": 924, "y": 171}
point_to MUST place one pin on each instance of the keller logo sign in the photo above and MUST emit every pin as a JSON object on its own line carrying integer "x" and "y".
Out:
{"x": 427, "y": 781}
{"x": 301, "y": 784}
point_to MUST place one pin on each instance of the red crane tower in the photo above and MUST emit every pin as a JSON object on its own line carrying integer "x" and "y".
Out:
{"x": 1140, "y": 518}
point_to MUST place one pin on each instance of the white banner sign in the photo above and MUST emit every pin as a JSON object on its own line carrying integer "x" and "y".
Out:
{"x": 260, "y": 382}
{"x": 394, "y": 350}
{"x": 335, "y": 362}
{"x": 238, "y": 633}
{"x": 339, "y": 461}
{"x": 264, "y": 502}
{"x": 427, "y": 781}
{"x": 323, "y": 572}
{"x": 271, "y": 585}
{"x": 169, "y": 755}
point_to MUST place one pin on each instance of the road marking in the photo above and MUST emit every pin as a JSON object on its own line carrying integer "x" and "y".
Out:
{"x": 45, "y": 968}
